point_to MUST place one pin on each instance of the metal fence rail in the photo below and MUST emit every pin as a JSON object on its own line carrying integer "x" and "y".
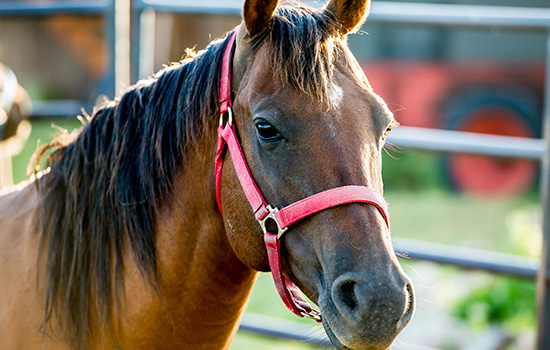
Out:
{"x": 468, "y": 258}
{"x": 277, "y": 328}
{"x": 36, "y": 8}
{"x": 461, "y": 15}
{"x": 292, "y": 330}
{"x": 467, "y": 142}
{"x": 217, "y": 7}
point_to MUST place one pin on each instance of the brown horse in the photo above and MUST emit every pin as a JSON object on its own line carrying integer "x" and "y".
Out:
{"x": 14, "y": 128}
{"x": 119, "y": 243}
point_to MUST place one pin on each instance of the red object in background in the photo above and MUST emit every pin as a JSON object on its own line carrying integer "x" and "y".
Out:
{"x": 413, "y": 91}
{"x": 501, "y": 99}
{"x": 490, "y": 176}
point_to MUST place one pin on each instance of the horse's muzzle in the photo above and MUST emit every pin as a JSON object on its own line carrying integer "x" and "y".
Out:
{"x": 367, "y": 314}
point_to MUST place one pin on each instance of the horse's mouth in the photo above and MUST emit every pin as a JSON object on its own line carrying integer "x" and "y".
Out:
{"x": 407, "y": 315}
{"x": 333, "y": 339}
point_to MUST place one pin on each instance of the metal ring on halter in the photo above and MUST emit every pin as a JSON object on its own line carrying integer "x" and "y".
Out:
{"x": 272, "y": 211}
{"x": 230, "y": 117}
{"x": 313, "y": 314}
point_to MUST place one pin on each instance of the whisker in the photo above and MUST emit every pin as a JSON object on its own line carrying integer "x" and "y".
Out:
{"x": 390, "y": 147}
{"x": 399, "y": 107}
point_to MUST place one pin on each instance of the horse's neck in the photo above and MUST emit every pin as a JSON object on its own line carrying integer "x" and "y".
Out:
{"x": 203, "y": 286}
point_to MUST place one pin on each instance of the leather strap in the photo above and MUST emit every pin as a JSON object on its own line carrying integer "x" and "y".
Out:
{"x": 225, "y": 79}
{"x": 331, "y": 198}
{"x": 227, "y": 138}
{"x": 252, "y": 192}
{"x": 290, "y": 294}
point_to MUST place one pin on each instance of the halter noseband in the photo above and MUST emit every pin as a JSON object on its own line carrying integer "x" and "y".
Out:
{"x": 263, "y": 212}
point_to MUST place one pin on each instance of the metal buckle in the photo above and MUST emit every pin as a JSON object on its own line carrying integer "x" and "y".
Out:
{"x": 313, "y": 314}
{"x": 272, "y": 211}
{"x": 230, "y": 117}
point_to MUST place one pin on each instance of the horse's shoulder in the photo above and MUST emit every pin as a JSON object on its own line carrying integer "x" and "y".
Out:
{"x": 18, "y": 206}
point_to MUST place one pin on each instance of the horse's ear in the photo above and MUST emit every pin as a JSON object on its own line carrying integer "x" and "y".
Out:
{"x": 349, "y": 13}
{"x": 257, "y": 14}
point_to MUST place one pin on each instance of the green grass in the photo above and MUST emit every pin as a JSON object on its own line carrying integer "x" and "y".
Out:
{"x": 250, "y": 341}
{"x": 265, "y": 301}
{"x": 505, "y": 301}
{"x": 420, "y": 208}
{"x": 43, "y": 131}
{"x": 450, "y": 218}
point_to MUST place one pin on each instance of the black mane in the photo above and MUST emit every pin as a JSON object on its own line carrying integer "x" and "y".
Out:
{"x": 106, "y": 184}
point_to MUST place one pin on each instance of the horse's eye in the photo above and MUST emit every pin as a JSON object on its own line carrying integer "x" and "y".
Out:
{"x": 266, "y": 132}
{"x": 387, "y": 132}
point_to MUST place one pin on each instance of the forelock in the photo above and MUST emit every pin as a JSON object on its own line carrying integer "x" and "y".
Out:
{"x": 303, "y": 45}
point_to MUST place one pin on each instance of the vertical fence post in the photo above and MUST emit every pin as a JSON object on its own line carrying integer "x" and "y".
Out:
{"x": 543, "y": 285}
{"x": 109, "y": 34}
{"x": 143, "y": 41}
{"x": 146, "y": 43}
{"x": 117, "y": 35}
{"x": 122, "y": 45}
{"x": 135, "y": 39}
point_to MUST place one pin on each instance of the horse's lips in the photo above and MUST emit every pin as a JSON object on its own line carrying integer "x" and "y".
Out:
{"x": 333, "y": 339}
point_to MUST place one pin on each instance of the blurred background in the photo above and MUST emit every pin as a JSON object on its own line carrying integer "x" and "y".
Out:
{"x": 481, "y": 79}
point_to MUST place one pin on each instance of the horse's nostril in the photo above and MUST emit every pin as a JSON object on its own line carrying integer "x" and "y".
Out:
{"x": 369, "y": 312}
{"x": 344, "y": 295}
{"x": 348, "y": 294}
{"x": 410, "y": 291}
{"x": 409, "y": 307}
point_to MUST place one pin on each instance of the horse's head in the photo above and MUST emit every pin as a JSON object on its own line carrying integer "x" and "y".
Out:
{"x": 309, "y": 121}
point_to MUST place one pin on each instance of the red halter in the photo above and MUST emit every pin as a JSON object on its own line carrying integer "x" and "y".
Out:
{"x": 289, "y": 292}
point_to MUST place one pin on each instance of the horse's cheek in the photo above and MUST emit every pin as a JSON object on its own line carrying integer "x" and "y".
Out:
{"x": 248, "y": 245}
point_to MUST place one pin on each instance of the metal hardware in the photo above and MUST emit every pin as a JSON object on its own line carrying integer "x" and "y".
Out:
{"x": 272, "y": 211}
{"x": 313, "y": 314}
{"x": 230, "y": 117}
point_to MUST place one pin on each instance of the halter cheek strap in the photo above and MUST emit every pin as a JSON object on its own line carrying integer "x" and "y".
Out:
{"x": 285, "y": 217}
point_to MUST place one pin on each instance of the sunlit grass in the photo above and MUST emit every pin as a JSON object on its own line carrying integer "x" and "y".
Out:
{"x": 265, "y": 301}
{"x": 505, "y": 225}
{"x": 43, "y": 131}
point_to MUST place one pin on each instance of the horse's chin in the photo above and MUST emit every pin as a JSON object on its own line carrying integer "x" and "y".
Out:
{"x": 333, "y": 339}
{"x": 340, "y": 346}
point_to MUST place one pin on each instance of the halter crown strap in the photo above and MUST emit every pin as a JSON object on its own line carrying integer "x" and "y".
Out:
{"x": 225, "y": 79}
{"x": 285, "y": 217}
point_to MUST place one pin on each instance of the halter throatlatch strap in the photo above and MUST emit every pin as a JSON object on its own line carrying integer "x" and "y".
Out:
{"x": 283, "y": 218}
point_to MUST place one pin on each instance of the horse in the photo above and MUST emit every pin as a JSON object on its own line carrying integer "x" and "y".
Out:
{"x": 148, "y": 227}
{"x": 15, "y": 108}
